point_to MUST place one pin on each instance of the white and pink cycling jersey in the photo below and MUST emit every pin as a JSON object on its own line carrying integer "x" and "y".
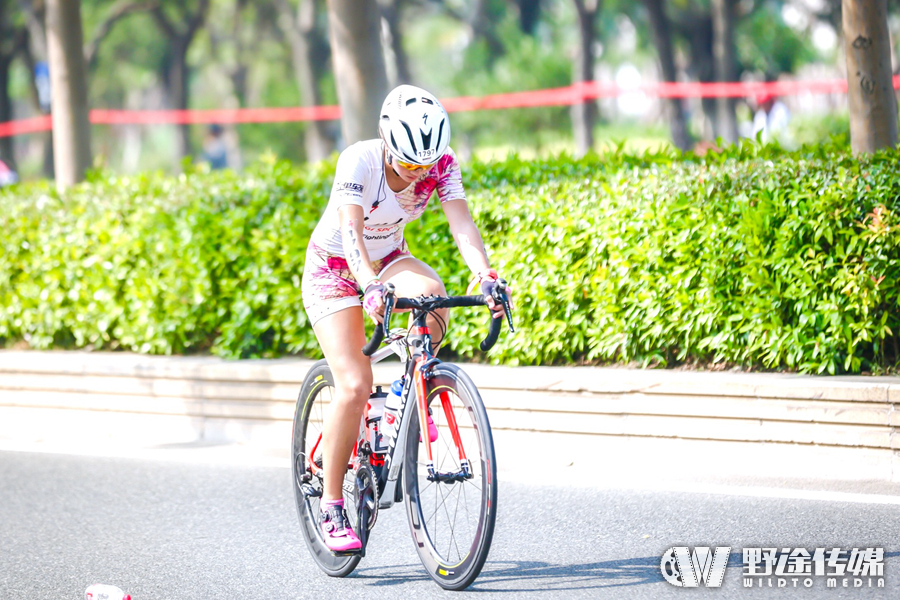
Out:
{"x": 359, "y": 179}
{"x": 328, "y": 284}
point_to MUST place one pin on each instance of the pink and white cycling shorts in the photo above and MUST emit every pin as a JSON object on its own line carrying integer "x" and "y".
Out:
{"x": 328, "y": 284}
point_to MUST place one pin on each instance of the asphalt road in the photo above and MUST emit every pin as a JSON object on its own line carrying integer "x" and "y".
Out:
{"x": 166, "y": 530}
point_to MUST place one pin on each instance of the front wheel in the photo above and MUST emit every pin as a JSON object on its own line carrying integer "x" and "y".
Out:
{"x": 315, "y": 395}
{"x": 451, "y": 516}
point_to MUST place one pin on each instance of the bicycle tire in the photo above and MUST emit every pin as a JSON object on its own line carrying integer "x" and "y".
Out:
{"x": 309, "y": 412}
{"x": 459, "y": 565}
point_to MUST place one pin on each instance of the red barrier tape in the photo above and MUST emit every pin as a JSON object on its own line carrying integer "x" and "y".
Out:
{"x": 218, "y": 115}
{"x": 564, "y": 96}
{"x": 32, "y": 125}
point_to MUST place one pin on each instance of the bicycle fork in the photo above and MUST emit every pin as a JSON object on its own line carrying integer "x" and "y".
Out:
{"x": 423, "y": 366}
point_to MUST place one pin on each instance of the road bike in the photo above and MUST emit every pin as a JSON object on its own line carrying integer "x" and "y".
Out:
{"x": 448, "y": 484}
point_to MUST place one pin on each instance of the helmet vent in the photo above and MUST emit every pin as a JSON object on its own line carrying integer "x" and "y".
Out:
{"x": 412, "y": 140}
{"x": 410, "y": 101}
{"x": 440, "y": 134}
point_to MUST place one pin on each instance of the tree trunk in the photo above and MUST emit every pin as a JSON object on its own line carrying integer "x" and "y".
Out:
{"x": 177, "y": 91}
{"x": 34, "y": 53}
{"x": 71, "y": 127}
{"x": 481, "y": 25}
{"x": 699, "y": 33}
{"x": 584, "y": 114}
{"x": 662, "y": 39}
{"x": 7, "y": 52}
{"x": 398, "y": 67}
{"x": 175, "y": 71}
{"x": 355, "y": 27}
{"x": 238, "y": 74}
{"x": 873, "y": 103}
{"x": 35, "y": 22}
{"x": 529, "y": 15}
{"x": 6, "y": 143}
{"x": 308, "y": 54}
{"x": 725, "y": 66}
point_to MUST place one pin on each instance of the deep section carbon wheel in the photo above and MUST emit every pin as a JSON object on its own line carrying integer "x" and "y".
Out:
{"x": 452, "y": 511}
{"x": 316, "y": 393}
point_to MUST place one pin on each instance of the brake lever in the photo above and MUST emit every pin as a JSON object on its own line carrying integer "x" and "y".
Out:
{"x": 499, "y": 294}
{"x": 388, "y": 308}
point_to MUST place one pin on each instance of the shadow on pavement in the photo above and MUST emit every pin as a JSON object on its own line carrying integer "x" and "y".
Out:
{"x": 602, "y": 574}
{"x": 552, "y": 577}
{"x": 556, "y": 577}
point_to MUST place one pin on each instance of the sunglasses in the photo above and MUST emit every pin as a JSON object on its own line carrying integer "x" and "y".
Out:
{"x": 412, "y": 167}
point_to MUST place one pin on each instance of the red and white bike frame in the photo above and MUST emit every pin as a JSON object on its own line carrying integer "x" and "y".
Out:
{"x": 418, "y": 363}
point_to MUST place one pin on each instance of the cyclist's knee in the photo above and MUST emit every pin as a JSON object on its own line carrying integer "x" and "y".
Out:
{"x": 427, "y": 287}
{"x": 414, "y": 278}
{"x": 356, "y": 387}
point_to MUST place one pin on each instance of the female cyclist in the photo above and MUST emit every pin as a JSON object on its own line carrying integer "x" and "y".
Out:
{"x": 380, "y": 185}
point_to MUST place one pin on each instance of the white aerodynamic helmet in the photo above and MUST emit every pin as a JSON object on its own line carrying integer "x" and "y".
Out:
{"x": 414, "y": 125}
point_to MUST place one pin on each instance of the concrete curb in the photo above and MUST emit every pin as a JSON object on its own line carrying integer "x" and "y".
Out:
{"x": 747, "y": 423}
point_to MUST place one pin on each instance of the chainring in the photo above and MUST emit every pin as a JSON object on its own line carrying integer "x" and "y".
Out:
{"x": 366, "y": 492}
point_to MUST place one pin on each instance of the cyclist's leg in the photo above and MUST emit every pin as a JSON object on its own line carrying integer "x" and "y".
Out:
{"x": 412, "y": 277}
{"x": 341, "y": 336}
{"x": 331, "y": 300}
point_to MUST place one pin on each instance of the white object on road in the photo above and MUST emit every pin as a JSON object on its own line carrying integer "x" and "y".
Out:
{"x": 100, "y": 591}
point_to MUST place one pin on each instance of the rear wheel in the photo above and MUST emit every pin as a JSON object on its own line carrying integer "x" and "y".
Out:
{"x": 452, "y": 522}
{"x": 315, "y": 395}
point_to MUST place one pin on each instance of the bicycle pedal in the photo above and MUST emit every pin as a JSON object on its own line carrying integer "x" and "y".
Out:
{"x": 310, "y": 491}
{"x": 360, "y": 552}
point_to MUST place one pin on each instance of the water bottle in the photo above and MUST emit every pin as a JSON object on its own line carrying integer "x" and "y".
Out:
{"x": 374, "y": 412}
{"x": 100, "y": 591}
{"x": 391, "y": 411}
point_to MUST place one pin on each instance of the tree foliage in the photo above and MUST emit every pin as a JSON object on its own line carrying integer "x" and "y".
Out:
{"x": 241, "y": 55}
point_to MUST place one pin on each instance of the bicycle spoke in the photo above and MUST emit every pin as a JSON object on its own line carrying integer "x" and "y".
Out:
{"x": 437, "y": 506}
{"x": 455, "y": 512}
{"x": 466, "y": 504}
{"x": 452, "y": 540}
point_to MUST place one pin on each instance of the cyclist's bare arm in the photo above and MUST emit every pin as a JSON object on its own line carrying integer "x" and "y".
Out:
{"x": 468, "y": 240}
{"x": 466, "y": 235}
{"x": 351, "y": 219}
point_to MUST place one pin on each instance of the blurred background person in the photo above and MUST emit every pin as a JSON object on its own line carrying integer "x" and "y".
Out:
{"x": 215, "y": 150}
{"x": 772, "y": 118}
{"x": 7, "y": 175}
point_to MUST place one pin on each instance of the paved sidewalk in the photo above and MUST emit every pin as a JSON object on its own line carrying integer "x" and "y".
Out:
{"x": 676, "y": 424}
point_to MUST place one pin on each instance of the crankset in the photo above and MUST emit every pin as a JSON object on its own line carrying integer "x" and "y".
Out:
{"x": 366, "y": 494}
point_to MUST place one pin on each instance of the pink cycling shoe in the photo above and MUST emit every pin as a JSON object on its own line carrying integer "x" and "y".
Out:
{"x": 336, "y": 530}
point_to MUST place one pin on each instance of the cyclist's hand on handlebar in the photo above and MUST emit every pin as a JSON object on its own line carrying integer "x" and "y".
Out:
{"x": 487, "y": 281}
{"x": 373, "y": 301}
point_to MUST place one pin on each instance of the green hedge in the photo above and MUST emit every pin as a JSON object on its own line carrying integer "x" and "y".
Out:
{"x": 755, "y": 257}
